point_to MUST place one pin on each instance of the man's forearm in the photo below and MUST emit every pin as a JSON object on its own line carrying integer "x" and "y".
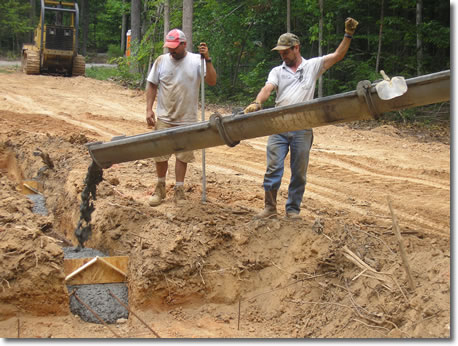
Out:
{"x": 339, "y": 53}
{"x": 342, "y": 50}
{"x": 264, "y": 94}
{"x": 151, "y": 91}
{"x": 210, "y": 76}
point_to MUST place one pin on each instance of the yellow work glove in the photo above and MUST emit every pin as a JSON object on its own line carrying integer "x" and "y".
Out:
{"x": 252, "y": 107}
{"x": 350, "y": 25}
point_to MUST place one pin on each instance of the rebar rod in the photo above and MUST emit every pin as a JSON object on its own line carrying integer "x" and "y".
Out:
{"x": 95, "y": 314}
{"x": 133, "y": 313}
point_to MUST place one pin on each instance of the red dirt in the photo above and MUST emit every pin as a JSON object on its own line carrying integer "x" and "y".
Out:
{"x": 190, "y": 267}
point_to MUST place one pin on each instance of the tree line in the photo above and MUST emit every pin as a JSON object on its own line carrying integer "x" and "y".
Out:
{"x": 402, "y": 37}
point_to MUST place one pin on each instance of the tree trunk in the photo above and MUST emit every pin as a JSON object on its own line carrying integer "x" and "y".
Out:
{"x": 145, "y": 19}
{"x": 166, "y": 20}
{"x": 123, "y": 28}
{"x": 187, "y": 22}
{"x": 135, "y": 20}
{"x": 85, "y": 25}
{"x": 419, "y": 38}
{"x": 379, "y": 51}
{"x": 288, "y": 15}
{"x": 33, "y": 23}
{"x": 153, "y": 35}
{"x": 320, "y": 48}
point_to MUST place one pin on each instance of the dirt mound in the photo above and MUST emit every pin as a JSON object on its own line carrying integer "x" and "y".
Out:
{"x": 209, "y": 269}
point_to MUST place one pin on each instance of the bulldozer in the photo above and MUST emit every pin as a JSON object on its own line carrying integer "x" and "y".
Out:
{"x": 55, "y": 47}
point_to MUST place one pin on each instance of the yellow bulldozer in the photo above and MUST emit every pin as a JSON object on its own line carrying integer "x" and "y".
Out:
{"x": 55, "y": 47}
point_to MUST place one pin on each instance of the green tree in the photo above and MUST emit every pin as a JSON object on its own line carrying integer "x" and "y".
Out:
{"x": 14, "y": 24}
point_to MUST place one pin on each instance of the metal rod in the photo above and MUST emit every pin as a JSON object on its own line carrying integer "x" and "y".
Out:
{"x": 202, "y": 87}
{"x": 95, "y": 314}
{"x": 330, "y": 110}
{"x": 133, "y": 313}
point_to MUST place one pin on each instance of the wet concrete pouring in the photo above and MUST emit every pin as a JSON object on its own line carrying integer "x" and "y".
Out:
{"x": 94, "y": 302}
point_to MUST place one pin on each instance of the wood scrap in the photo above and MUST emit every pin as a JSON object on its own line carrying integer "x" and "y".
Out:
{"x": 401, "y": 246}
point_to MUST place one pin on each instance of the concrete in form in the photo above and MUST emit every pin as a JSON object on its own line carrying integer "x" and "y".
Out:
{"x": 97, "y": 296}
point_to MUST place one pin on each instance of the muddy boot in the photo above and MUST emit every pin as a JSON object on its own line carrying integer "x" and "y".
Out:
{"x": 270, "y": 208}
{"x": 292, "y": 216}
{"x": 180, "y": 198}
{"x": 158, "y": 196}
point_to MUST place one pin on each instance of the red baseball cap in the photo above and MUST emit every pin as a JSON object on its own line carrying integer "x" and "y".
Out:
{"x": 174, "y": 38}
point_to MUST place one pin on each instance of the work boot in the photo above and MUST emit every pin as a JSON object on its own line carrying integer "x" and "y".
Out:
{"x": 158, "y": 195}
{"x": 270, "y": 206}
{"x": 180, "y": 198}
{"x": 290, "y": 215}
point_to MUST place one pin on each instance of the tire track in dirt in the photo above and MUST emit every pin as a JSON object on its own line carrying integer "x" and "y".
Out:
{"x": 347, "y": 171}
{"x": 353, "y": 165}
{"x": 332, "y": 197}
{"x": 21, "y": 100}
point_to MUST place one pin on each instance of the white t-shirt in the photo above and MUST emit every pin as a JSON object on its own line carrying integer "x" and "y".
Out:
{"x": 178, "y": 88}
{"x": 294, "y": 87}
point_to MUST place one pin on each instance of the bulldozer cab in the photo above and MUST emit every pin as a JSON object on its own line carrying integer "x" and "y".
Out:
{"x": 58, "y": 27}
{"x": 55, "y": 47}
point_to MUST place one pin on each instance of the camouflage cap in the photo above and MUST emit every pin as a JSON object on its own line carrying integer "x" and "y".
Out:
{"x": 286, "y": 41}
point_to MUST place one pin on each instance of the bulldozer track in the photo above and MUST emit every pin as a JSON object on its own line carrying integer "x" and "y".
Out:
{"x": 79, "y": 66}
{"x": 31, "y": 62}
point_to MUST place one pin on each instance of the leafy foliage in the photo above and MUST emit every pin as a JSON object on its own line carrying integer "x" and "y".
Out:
{"x": 240, "y": 35}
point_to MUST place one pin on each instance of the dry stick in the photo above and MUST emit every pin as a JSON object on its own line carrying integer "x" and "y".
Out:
{"x": 95, "y": 314}
{"x": 18, "y": 326}
{"x": 133, "y": 313}
{"x": 370, "y": 326}
{"x": 363, "y": 265}
{"x": 401, "y": 246}
{"x": 313, "y": 309}
{"x": 238, "y": 322}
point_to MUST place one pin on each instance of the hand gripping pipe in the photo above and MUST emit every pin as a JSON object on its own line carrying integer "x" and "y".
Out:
{"x": 360, "y": 104}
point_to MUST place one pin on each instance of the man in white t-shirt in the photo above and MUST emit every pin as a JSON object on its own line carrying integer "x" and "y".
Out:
{"x": 294, "y": 82}
{"x": 175, "y": 79}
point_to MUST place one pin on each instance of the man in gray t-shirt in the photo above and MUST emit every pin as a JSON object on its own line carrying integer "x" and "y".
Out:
{"x": 175, "y": 79}
{"x": 294, "y": 82}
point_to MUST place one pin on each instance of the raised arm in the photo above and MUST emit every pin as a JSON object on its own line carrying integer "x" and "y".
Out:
{"x": 342, "y": 49}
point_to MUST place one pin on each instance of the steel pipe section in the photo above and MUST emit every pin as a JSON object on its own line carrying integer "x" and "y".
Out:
{"x": 361, "y": 104}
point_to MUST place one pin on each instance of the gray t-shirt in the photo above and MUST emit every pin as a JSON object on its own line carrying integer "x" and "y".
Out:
{"x": 178, "y": 88}
{"x": 294, "y": 87}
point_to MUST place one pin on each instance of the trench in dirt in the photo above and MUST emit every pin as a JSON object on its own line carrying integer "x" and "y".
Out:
{"x": 221, "y": 274}
{"x": 189, "y": 268}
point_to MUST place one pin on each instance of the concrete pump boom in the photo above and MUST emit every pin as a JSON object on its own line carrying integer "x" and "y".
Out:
{"x": 360, "y": 104}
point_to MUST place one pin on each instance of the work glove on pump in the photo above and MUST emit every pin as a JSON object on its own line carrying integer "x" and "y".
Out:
{"x": 252, "y": 107}
{"x": 350, "y": 26}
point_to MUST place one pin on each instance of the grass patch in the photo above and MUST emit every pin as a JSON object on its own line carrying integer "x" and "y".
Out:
{"x": 102, "y": 73}
{"x": 9, "y": 69}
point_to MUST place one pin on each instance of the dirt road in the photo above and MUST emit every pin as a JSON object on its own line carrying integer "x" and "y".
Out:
{"x": 190, "y": 267}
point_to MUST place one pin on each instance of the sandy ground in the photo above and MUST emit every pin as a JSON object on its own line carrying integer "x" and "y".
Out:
{"x": 210, "y": 270}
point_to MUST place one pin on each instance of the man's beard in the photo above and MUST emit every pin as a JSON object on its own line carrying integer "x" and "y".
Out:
{"x": 177, "y": 56}
{"x": 289, "y": 62}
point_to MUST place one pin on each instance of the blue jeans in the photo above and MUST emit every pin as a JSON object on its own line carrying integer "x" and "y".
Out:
{"x": 300, "y": 143}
